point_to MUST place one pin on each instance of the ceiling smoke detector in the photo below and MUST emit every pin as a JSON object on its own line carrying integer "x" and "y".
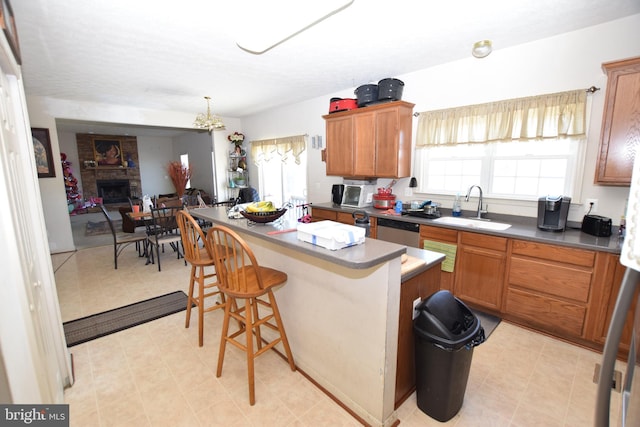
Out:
{"x": 481, "y": 49}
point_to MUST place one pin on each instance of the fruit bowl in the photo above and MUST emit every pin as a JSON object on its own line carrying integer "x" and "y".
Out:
{"x": 263, "y": 217}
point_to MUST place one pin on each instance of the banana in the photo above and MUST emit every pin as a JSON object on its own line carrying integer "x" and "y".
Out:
{"x": 263, "y": 206}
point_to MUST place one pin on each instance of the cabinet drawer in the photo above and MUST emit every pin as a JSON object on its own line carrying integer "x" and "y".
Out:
{"x": 553, "y": 279}
{"x": 554, "y": 253}
{"x": 438, "y": 234}
{"x": 323, "y": 214}
{"x": 551, "y": 314}
{"x": 483, "y": 241}
{"x": 345, "y": 218}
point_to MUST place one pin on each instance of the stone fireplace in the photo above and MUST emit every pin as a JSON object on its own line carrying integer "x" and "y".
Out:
{"x": 113, "y": 190}
{"x": 114, "y": 183}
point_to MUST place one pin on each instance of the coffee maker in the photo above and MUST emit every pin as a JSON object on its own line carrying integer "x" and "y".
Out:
{"x": 553, "y": 212}
{"x": 336, "y": 193}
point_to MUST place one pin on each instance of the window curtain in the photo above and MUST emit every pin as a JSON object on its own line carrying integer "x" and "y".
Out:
{"x": 288, "y": 147}
{"x": 522, "y": 119}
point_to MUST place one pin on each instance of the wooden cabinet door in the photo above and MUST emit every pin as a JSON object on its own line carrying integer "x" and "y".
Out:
{"x": 364, "y": 145}
{"x": 481, "y": 270}
{"x": 620, "y": 123}
{"x": 339, "y": 152}
{"x": 370, "y": 142}
{"x": 607, "y": 305}
{"x": 393, "y": 142}
{"x": 387, "y": 143}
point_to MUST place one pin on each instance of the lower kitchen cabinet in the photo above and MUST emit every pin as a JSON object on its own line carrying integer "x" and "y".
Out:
{"x": 563, "y": 291}
{"x": 548, "y": 287}
{"x": 420, "y": 286}
{"x": 605, "y": 303}
{"x": 478, "y": 274}
{"x": 480, "y": 269}
{"x": 318, "y": 214}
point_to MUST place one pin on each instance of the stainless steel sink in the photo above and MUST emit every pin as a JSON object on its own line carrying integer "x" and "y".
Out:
{"x": 472, "y": 223}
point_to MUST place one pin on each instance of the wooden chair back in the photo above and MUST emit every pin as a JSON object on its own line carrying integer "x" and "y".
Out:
{"x": 239, "y": 274}
{"x": 192, "y": 238}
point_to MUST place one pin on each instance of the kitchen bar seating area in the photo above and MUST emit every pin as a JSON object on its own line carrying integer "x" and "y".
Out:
{"x": 156, "y": 375}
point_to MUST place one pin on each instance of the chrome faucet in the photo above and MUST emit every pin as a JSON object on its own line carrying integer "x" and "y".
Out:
{"x": 466, "y": 199}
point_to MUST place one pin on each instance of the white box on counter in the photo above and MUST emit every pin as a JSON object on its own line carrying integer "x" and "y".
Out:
{"x": 331, "y": 235}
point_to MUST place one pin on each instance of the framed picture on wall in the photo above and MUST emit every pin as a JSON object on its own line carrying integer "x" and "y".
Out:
{"x": 8, "y": 24}
{"x": 107, "y": 152}
{"x": 42, "y": 152}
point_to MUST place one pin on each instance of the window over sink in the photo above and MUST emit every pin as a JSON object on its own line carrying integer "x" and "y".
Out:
{"x": 518, "y": 149}
{"x": 516, "y": 170}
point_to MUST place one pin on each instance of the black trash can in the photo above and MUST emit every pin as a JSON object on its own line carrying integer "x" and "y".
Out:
{"x": 445, "y": 331}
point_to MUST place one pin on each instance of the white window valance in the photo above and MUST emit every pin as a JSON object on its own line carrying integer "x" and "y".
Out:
{"x": 545, "y": 116}
{"x": 287, "y": 147}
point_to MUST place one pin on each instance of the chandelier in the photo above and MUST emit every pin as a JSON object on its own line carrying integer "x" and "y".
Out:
{"x": 208, "y": 121}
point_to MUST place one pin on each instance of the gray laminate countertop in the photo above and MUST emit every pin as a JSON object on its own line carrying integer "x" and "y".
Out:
{"x": 524, "y": 228}
{"x": 282, "y": 232}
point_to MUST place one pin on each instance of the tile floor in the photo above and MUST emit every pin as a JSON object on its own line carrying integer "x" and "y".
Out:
{"x": 156, "y": 375}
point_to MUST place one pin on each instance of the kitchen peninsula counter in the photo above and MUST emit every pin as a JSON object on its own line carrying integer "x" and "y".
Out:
{"x": 368, "y": 255}
{"x": 340, "y": 309}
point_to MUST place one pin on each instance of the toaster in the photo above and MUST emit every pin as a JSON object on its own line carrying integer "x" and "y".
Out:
{"x": 596, "y": 225}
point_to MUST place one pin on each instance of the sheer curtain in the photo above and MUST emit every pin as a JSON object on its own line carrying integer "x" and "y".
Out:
{"x": 554, "y": 115}
{"x": 282, "y": 168}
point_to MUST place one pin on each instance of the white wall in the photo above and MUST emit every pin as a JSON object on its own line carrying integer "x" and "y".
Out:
{"x": 154, "y": 154}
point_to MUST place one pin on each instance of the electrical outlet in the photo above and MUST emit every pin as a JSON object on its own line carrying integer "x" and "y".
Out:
{"x": 415, "y": 304}
{"x": 408, "y": 192}
{"x": 588, "y": 205}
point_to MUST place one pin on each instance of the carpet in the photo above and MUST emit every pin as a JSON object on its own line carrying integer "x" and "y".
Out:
{"x": 99, "y": 325}
{"x": 487, "y": 321}
{"x": 101, "y": 227}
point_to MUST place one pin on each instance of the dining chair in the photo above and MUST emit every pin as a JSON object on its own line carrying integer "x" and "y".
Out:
{"x": 122, "y": 240}
{"x": 197, "y": 254}
{"x": 240, "y": 277}
{"x": 163, "y": 230}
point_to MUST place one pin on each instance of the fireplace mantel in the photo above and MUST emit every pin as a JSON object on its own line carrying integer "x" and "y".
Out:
{"x": 90, "y": 174}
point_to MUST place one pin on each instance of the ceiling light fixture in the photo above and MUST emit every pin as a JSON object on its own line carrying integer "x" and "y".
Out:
{"x": 208, "y": 121}
{"x": 287, "y": 18}
{"x": 481, "y": 49}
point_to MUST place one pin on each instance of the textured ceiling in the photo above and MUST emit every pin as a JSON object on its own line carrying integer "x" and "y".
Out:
{"x": 167, "y": 55}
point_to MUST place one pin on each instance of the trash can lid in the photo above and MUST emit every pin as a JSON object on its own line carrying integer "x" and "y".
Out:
{"x": 445, "y": 320}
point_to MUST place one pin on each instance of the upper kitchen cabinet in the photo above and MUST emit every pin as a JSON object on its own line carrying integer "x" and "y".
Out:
{"x": 620, "y": 124}
{"x": 373, "y": 141}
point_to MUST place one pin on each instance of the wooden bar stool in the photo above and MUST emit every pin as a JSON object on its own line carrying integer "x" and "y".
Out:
{"x": 199, "y": 257}
{"x": 241, "y": 278}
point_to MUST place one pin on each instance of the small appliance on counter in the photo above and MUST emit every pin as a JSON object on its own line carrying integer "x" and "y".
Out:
{"x": 384, "y": 199}
{"x": 553, "y": 212}
{"x": 337, "y": 191}
{"x": 596, "y": 225}
{"x": 358, "y": 193}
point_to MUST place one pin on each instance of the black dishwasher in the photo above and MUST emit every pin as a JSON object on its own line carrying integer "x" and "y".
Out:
{"x": 400, "y": 232}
